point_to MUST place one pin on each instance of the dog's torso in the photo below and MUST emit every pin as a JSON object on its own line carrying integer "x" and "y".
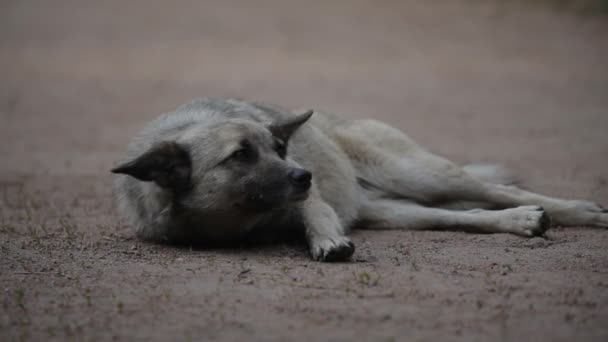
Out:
{"x": 219, "y": 170}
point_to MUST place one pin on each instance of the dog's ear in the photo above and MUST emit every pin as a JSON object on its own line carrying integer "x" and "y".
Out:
{"x": 167, "y": 164}
{"x": 283, "y": 129}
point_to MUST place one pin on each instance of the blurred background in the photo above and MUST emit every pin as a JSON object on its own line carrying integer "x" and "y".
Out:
{"x": 522, "y": 83}
{"x": 464, "y": 77}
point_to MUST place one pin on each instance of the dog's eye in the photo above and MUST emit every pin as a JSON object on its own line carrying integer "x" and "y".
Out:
{"x": 280, "y": 148}
{"x": 241, "y": 154}
{"x": 245, "y": 153}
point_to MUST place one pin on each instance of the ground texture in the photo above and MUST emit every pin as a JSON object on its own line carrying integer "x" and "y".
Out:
{"x": 472, "y": 80}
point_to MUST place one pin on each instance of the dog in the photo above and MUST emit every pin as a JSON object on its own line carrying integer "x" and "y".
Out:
{"x": 217, "y": 170}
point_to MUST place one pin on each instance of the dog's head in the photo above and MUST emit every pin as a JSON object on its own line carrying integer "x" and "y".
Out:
{"x": 226, "y": 172}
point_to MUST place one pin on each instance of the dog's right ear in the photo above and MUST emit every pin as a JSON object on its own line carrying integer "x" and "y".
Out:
{"x": 283, "y": 129}
{"x": 167, "y": 164}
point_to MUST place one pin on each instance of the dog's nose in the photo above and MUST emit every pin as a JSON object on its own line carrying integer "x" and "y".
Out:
{"x": 300, "y": 178}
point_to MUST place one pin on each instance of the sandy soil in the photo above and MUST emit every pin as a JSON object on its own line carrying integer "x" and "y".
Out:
{"x": 472, "y": 80}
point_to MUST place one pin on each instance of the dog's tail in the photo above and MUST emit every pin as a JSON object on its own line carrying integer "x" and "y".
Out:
{"x": 491, "y": 173}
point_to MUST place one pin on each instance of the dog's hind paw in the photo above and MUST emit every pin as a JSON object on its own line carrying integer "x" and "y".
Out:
{"x": 581, "y": 213}
{"x": 529, "y": 220}
{"x": 331, "y": 249}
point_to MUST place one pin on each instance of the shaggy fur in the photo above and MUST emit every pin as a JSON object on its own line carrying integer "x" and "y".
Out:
{"x": 220, "y": 169}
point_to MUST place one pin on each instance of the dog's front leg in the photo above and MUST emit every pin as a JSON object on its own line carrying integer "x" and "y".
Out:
{"x": 324, "y": 232}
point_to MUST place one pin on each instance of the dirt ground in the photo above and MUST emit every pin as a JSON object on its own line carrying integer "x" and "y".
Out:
{"x": 526, "y": 86}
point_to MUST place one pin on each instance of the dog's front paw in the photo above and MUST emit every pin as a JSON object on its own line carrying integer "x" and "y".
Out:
{"x": 330, "y": 249}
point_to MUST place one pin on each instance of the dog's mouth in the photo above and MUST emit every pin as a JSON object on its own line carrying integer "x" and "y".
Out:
{"x": 261, "y": 202}
{"x": 299, "y": 197}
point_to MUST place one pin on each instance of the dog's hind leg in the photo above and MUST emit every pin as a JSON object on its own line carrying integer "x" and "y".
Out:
{"x": 390, "y": 165}
{"x": 563, "y": 212}
{"x": 434, "y": 181}
{"x": 396, "y": 214}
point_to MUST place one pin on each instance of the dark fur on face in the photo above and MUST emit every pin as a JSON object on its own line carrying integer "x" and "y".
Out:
{"x": 225, "y": 178}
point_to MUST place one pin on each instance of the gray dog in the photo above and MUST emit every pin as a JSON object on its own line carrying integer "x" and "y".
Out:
{"x": 221, "y": 169}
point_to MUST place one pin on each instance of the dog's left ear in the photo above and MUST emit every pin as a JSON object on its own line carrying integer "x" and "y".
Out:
{"x": 167, "y": 164}
{"x": 283, "y": 129}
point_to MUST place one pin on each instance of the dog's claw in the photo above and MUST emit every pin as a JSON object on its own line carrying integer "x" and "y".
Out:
{"x": 527, "y": 221}
{"x": 332, "y": 249}
{"x": 545, "y": 222}
{"x": 340, "y": 253}
{"x": 543, "y": 225}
